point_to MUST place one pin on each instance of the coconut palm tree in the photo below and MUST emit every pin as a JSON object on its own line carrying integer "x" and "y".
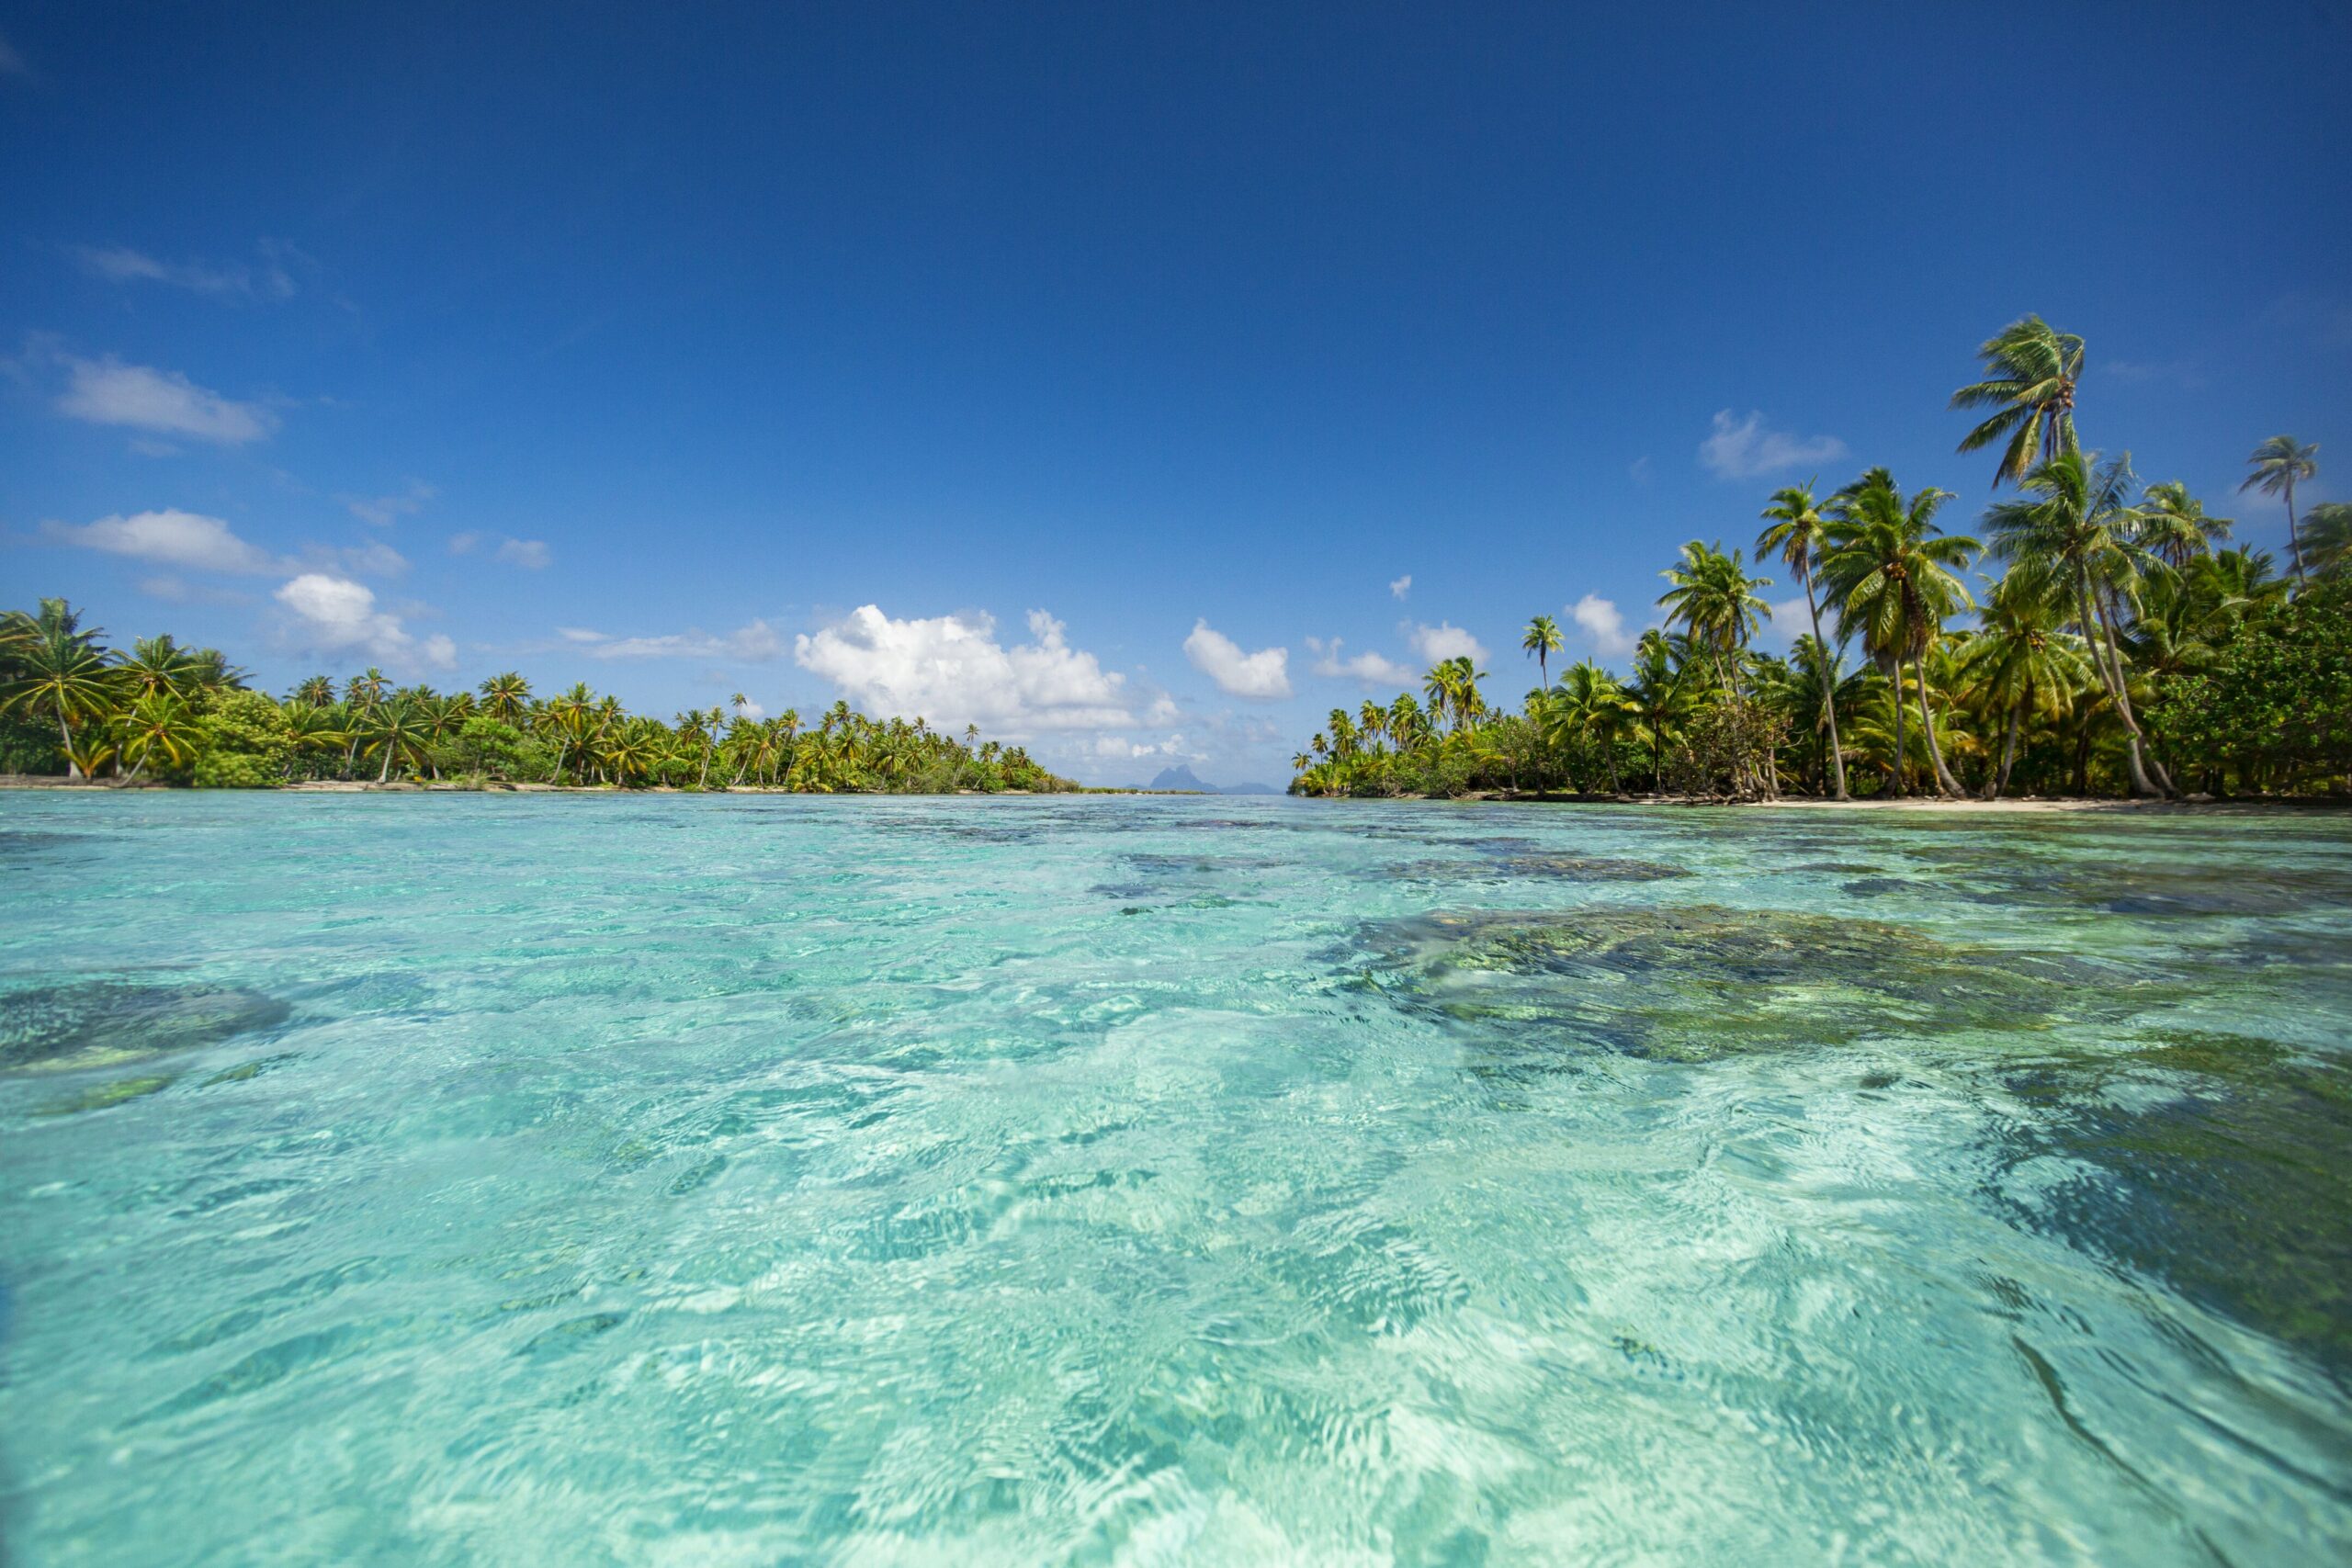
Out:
{"x": 402, "y": 731}
{"x": 64, "y": 674}
{"x": 318, "y": 691}
{"x": 2023, "y": 662}
{"x": 159, "y": 726}
{"x": 2174, "y": 526}
{"x": 2030, "y": 372}
{"x": 1714, "y": 597}
{"x": 2073, "y": 534}
{"x": 1797, "y": 534}
{"x": 2280, "y": 464}
{"x": 1542, "y": 640}
{"x": 1591, "y": 702}
{"x": 158, "y": 667}
{"x": 312, "y": 729}
{"x": 1891, "y": 572}
{"x": 2326, "y": 542}
{"x": 1663, "y": 696}
{"x": 506, "y": 696}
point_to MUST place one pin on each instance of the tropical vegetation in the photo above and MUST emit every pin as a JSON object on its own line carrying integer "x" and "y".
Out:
{"x": 158, "y": 712}
{"x": 2092, "y": 635}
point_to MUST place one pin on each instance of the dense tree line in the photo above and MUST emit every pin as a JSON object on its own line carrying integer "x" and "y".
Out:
{"x": 158, "y": 711}
{"x": 2124, "y": 646}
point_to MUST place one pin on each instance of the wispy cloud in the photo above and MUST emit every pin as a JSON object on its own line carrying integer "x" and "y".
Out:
{"x": 11, "y": 63}
{"x": 1744, "y": 449}
{"x": 1262, "y": 676}
{"x": 2138, "y": 372}
{"x": 268, "y": 279}
{"x": 755, "y": 642}
{"x": 108, "y": 391}
{"x": 531, "y": 554}
{"x": 383, "y": 511}
{"x": 1402, "y": 586}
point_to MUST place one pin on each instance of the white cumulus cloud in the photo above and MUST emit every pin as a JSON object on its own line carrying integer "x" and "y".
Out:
{"x": 1401, "y": 586}
{"x": 334, "y": 615}
{"x": 951, "y": 671}
{"x": 169, "y": 538}
{"x": 1744, "y": 449}
{"x": 1443, "y": 642}
{"x": 1262, "y": 676}
{"x": 1604, "y": 624}
{"x": 1367, "y": 667}
{"x": 108, "y": 391}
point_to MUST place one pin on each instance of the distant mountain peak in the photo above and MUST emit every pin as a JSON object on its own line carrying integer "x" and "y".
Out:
{"x": 1182, "y": 777}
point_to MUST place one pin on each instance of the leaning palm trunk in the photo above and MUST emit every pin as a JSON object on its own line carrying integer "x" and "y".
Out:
{"x": 1900, "y": 788}
{"x": 1828, "y": 692}
{"x": 1946, "y": 785}
{"x": 2139, "y": 742}
{"x": 2094, "y": 628}
{"x": 2000, "y": 781}
{"x": 73, "y": 768}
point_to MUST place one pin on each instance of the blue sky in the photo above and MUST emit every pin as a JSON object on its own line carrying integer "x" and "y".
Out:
{"x": 1089, "y": 371}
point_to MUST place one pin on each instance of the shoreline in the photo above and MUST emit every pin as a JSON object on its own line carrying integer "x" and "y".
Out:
{"x": 2023, "y": 805}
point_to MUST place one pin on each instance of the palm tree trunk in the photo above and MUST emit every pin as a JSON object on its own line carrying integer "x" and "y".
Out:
{"x": 2124, "y": 705}
{"x": 2000, "y": 781}
{"x": 1828, "y": 689}
{"x": 1900, "y": 788}
{"x": 1946, "y": 785}
{"x": 2095, "y": 628}
{"x": 2294, "y": 534}
{"x": 73, "y": 768}
{"x": 387, "y": 770}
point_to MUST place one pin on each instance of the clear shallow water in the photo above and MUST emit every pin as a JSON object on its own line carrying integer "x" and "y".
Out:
{"x": 731, "y": 1179}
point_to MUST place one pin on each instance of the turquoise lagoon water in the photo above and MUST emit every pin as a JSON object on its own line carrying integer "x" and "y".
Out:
{"x": 734, "y": 1180}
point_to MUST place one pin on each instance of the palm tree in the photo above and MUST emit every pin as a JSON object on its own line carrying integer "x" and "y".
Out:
{"x": 1543, "y": 639}
{"x": 506, "y": 696}
{"x": 63, "y": 673}
{"x": 362, "y": 694}
{"x": 2030, "y": 373}
{"x": 159, "y": 724}
{"x": 400, "y": 731}
{"x": 157, "y": 667}
{"x": 2023, "y": 661}
{"x": 318, "y": 691}
{"x": 1591, "y": 702}
{"x": 2278, "y": 465}
{"x": 2073, "y": 534}
{"x": 2327, "y": 539}
{"x": 2174, "y": 527}
{"x": 1892, "y": 571}
{"x": 1662, "y": 696}
{"x": 311, "y": 728}
{"x": 1714, "y": 597}
{"x": 1797, "y": 534}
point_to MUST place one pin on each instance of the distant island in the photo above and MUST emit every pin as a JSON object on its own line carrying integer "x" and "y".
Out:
{"x": 1183, "y": 778}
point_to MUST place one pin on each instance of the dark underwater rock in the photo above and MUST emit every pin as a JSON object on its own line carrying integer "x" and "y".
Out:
{"x": 57, "y": 1029}
{"x": 1698, "y": 981}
